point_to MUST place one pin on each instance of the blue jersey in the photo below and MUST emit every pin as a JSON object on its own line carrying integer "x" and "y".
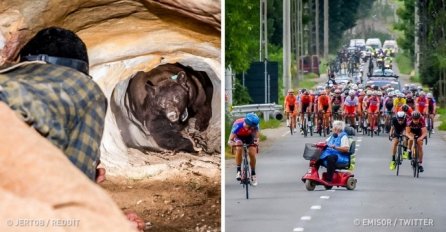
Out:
{"x": 240, "y": 131}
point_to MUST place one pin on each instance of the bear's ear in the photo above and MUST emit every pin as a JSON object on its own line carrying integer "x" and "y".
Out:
{"x": 151, "y": 89}
{"x": 182, "y": 78}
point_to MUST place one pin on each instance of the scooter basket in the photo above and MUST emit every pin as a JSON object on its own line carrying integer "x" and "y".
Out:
{"x": 312, "y": 152}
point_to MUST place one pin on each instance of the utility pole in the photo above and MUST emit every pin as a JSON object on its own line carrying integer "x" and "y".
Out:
{"x": 286, "y": 47}
{"x": 264, "y": 43}
{"x": 317, "y": 28}
{"x": 417, "y": 46}
{"x": 228, "y": 88}
{"x": 325, "y": 28}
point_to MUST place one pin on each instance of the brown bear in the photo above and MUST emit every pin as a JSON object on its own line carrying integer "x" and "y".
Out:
{"x": 165, "y": 98}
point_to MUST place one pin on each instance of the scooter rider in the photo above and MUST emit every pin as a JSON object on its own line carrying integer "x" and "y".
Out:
{"x": 337, "y": 147}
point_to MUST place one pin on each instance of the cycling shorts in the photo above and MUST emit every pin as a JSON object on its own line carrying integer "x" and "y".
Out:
{"x": 245, "y": 139}
{"x": 350, "y": 109}
{"x": 304, "y": 107}
{"x": 373, "y": 109}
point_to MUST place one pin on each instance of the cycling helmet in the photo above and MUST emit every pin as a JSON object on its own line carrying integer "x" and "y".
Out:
{"x": 337, "y": 91}
{"x": 369, "y": 92}
{"x": 290, "y": 90}
{"x": 351, "y": 93}
{"x": 252, "y": 119}
{"x": 401, "y": 95}
{"x": 422, "y": 93}
{"x": 416, "y": 115}
{"x": 323, "y": 93}
{"x": 400, "y": 115}
{"x": 362, "y": 93}
{"x": 379, "y": 93}
{"x": 429, "y": 95}
{"x": 405, "y": 108}
{"x": 375, "y": 93}
{"x": 409, "y": 94}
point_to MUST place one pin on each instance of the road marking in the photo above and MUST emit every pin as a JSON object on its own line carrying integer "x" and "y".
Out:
{"x": 298, "y": 229}
{"x": 332, "y": 190}
{"x": 358, "y": 145}
{"x": 359, "y": 140}
{"x": 305, "y": 218}
{"x": 325, "y": 197}
{"x": 316, "y": 207}
{"x": 286, "y": 133}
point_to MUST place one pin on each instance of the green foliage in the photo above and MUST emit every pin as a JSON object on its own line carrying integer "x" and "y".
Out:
{"x": 240, "y": 94}
{"x": 442, "y": 112}
{"x": 242, "y": 33}
{"x": 272, "y": 123}
{"x": 404, "y": 63}
{"x": 406, "y": 25}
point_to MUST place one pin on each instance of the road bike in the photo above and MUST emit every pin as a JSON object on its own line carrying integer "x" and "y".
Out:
{"x": 400, "y": 150}
{"x": 430, "y": 124}
{"x": 414, "y": 161}
{"x": 245, "y": 174}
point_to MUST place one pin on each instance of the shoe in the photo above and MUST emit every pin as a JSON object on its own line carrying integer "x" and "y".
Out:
{"x": 294, "y": 131}
{"x": 405, "y": 155}
{"x": 433, "y": 131}
{"x": 392, "y": 165}
{"x": 420, "y": 168}
{"x": 288, "y": 123}
{"x": 254, "y": 180}
{"x": 238, "y": 176}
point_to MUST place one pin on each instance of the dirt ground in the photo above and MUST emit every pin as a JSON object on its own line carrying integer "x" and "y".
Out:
{"x": 184, "y": 196}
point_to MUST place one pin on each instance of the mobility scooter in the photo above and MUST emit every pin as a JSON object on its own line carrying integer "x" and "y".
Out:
{"x": 340, "y": 178}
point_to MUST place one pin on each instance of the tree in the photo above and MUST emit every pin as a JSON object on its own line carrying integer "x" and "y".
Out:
{"x": 242, "y": 33}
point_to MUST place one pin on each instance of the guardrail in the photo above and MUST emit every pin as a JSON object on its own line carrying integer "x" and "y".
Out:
{"x": 266, "y": 109}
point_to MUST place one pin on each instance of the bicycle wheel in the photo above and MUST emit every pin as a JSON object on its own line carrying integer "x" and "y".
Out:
{"x": 398, "y": 159}
{"x": 304, "y": 126}
{"x": 415, "y": 164}
{"x": 246, "y": 176}
{"x": 310, "y": 125}
{"x": 429, "y": 126}
{"x": 292, "y": 124}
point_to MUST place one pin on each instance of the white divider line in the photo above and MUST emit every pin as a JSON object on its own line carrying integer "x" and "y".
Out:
{"x": 298, "y": 229}
{"x": 316, "y": 207}
{"x": 325, "y": 197}
{"x": 305, "y": 218}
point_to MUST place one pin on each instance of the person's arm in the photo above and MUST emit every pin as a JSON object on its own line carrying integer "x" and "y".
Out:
{"x": 344, "y": 147}
{"x": 409, "y": 133}
{"x": 423, "y": 133}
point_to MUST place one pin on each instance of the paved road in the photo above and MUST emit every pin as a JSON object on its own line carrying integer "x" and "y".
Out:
{"x": 380, "y": 202}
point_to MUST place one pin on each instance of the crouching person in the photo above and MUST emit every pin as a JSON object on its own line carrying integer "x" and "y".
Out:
{"x": 336, "y": 152}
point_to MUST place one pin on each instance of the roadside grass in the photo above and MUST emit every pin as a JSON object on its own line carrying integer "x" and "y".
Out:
{"x": 308, "y": 82}
{"x": 404, "y": 63}
{"x": 442, "y": 112}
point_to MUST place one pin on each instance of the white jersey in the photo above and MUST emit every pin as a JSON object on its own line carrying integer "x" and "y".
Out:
{"x": 351, "y": 102}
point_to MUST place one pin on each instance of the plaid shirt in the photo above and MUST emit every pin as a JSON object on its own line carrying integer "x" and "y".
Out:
{"x": 62, "y": 104}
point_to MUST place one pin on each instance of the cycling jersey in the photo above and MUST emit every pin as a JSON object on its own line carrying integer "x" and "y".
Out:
{"x": 421, "y": 104}
{"x": 410, "y": 102}
{"x": 397, "y": 127}
{"x": 416, "y": 128}
{"x": 389, "y": 104}
{"x": 431, "y": 106}
{"x": 290, "y": 103}
{"x": 373, "y": 104}
{"x": 324, "y": 100}
{"x": 398, "y": 102}
{"x": 305, "y": 99}
{"x": 240, "y": 131}
{"x": 337, "y": 100}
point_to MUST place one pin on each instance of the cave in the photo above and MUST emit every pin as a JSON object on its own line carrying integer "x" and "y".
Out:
{"x": 122, "y": 38}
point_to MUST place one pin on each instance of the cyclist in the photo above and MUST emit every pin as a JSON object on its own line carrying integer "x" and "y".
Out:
{"x": 410, "y": 100}
{"x": 246, "y": 131}
{"x": 398, "y": 102}
{"x": 290, "y": 106}
{"x": 398, "y": 128}
{"x": 431, "y": 109}
{"x": 417, "y": 127}
{"x": 373, "y": 108}
{"x": 337, "y": 102}
{"x": 406, "y": 109}
{"x": 351, "y": 107}
{"x": 305, "y": 105}
{"x": 422, "y": 104}
{"x": 387, "y": 110}
{"x": 324, "y": 106}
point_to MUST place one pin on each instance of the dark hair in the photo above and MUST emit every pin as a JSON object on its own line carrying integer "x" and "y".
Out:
{"x": 56, "y": 41}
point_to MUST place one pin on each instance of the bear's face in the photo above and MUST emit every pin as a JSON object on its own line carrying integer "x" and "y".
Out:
{"x": 170, "y": 98}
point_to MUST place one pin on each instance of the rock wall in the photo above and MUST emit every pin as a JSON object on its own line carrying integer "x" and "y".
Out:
{"x": 123, "y": 37}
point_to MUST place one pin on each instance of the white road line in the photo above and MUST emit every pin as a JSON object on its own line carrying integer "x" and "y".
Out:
{"x": 305, "y": 218}
{"x": 298, "y": 229}
{"x": 325, "y": 197}
{"x": 358, "y": 145}
{"x": 359, "y": 140}
{"x": 316, "y": 207}
{"x": 331, "y": 190}
{"x": 285, "y": 133}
